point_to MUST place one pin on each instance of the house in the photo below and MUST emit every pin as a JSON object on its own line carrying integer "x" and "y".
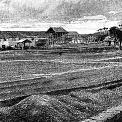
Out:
{"x": 72, "y": 36}
{"x": 23, "y": 43}
{"x": 56, "y": 35}
{"x": 109, "y": 41}
{"x": 10, "y": 38}
{"x": 75, "y": 37}
{"x": 56, "y": 31}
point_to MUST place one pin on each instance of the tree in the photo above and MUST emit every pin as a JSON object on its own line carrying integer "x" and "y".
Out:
{"x": 117, "y": 34}
{"x": 102, "y": 34}
{"x": 41, "y": 42}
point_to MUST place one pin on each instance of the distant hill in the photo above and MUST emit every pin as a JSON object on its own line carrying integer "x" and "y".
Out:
{"x": 21, "y": 34}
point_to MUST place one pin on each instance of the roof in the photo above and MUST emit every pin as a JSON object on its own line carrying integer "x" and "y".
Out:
{"x": 24, "y": 40}
{"x": 57, "y": 29}
{"x": 73, "y": 33}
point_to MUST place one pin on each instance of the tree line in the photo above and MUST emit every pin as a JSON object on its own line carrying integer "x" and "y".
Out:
{"x": 114, "y": 32}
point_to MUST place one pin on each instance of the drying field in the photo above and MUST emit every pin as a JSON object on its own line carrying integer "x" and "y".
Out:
{"x": 76, "y": 106}
{"x": 56, "y": 84}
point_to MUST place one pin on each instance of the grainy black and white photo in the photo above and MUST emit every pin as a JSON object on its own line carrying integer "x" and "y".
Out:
{"x": 60, "y": 60}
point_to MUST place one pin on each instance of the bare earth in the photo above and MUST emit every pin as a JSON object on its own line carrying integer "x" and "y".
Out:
{"x": 25, "y": 73}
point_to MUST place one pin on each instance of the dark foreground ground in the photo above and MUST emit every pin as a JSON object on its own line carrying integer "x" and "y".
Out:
{"x": 73, "y": 107}
{"x": 66, "y": 70}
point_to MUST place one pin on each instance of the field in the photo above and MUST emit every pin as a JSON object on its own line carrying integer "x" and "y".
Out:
{"x": 63, "y": 79}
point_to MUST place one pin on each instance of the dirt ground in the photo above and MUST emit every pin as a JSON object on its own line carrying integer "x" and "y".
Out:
{"x": 68, "y": 68}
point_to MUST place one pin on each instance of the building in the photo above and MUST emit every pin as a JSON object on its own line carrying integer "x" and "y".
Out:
{"x": 9, "y": 38}
{"x": 23, "y": 43}
{"x": 110, "y": 41}
{"x": 56, "y": 35}
{"x": 75, "y": 37}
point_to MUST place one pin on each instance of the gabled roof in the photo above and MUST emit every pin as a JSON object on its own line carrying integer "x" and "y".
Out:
{"x": 57, "y": 29}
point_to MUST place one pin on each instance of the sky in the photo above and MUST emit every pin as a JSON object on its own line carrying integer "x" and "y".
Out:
{"x": 83, "y": 16}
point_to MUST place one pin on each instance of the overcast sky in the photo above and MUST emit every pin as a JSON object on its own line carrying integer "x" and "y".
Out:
{"x": 84, "y": 16}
